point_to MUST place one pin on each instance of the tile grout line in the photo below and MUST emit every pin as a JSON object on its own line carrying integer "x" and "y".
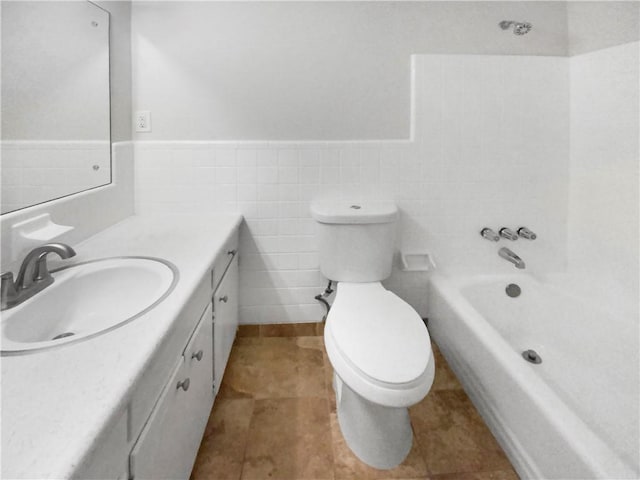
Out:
{"x": 246, "y": 443}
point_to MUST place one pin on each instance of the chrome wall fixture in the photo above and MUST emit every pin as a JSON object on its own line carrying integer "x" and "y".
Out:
{"x": 519, "y": 28}
{"x": 489, "y": 234}
{"x": 507, "y": 233}
{"x": 510, "y": 256}
{"x": 524, "y": 232}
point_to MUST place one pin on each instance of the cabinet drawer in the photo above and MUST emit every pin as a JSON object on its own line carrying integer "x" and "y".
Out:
{"x": 154, "y": 455}
{"x": 225, "y": 305}
{"x": 227, "y": 254}
{"x": 198, "y": 354}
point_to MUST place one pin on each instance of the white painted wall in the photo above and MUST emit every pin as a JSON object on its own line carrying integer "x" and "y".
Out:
{"x": 604, "y": 206}
{"x": 120, "y": 68}
{"x": 309, "y": 70}
{"x": 491, "y": 149}
{"x": 597, "y": 25}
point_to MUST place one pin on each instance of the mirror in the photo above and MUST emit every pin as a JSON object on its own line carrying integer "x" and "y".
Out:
{"x": 56, "y": 137}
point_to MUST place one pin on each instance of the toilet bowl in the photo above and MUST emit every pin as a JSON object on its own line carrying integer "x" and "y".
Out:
{"x": 378, "y": 345}
{"x": 381, "y": 354}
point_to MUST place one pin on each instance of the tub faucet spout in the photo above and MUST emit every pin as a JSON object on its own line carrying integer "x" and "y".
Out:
{"x": 508, "y": 255}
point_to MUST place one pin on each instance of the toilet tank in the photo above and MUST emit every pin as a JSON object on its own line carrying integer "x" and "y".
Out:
{"x": 355, "y": 241}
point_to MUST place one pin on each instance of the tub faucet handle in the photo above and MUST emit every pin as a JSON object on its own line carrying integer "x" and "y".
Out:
{"x": 524, "y": 232}
{"x": 508, "y": 233}
{"x": 489, "y": 234}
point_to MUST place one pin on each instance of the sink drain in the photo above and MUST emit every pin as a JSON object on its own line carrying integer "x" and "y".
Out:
{"x": 63, "y": 335}
{"x": 532, "y": 356}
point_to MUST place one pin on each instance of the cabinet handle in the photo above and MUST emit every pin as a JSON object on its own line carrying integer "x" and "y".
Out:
{"x": 184, "y": 385}
{"x": 232, "y": 252}
{"x": 224, "y": 299}
{"x": 198, "y": 355}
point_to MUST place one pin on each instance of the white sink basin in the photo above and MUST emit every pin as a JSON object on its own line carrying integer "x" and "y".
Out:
{"x": 86, "y": 300}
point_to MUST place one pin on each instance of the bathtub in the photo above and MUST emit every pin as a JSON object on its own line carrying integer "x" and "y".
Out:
{"x": 575, "y": 415}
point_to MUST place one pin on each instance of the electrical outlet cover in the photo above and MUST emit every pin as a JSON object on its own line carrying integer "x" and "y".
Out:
{"x": 142, "y": 121}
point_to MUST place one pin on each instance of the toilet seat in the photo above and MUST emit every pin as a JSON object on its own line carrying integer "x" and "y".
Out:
{"x": 379, "y": 345}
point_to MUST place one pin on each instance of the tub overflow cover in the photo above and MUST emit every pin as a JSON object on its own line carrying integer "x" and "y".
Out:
{"x": 532, "y": 356}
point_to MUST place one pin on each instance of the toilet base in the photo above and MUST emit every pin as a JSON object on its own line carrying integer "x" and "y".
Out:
{"x": 379, "y": 436}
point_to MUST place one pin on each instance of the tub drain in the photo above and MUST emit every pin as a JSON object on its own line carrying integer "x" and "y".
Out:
{"x": 513, "y": 290}
{"x": 63, "y": 335}
{"x": 531, "y": 356}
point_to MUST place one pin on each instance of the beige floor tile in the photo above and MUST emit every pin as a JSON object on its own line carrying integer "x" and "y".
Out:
{"x": 500, "y": 475}
{"x": 452, "y": 436}
{"x": 445, "y": 379}
{"x": 275, "y": 367}
{"x": 275, "y": 417}
{"x": 248, "y": 331}
{"x": 221, "y": 453}
{"x": 289, "y": 330}
{"x": 289, "y": 438}
{"x": 348, "y": 466}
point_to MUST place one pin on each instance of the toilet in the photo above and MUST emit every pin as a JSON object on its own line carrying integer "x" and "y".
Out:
{"x": 378, "y": 345}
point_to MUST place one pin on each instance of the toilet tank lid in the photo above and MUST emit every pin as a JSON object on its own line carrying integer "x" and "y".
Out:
{"x": 345, "y": 212}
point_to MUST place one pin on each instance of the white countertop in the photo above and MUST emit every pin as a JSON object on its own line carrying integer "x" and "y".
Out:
{"x": 55, "y": 403}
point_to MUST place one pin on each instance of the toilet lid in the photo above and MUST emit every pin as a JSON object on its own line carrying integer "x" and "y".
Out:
{"x": 379, "y": 333}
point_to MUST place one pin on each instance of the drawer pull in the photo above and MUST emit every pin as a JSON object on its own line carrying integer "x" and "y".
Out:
{"x": 197, "y": 355}
{"x": 184, "y": 385}
{"x": 224, "y": 299}
{"x": 232, "y": 252}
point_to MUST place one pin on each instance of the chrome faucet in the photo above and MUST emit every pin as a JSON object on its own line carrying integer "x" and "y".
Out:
{"x": 33, "y": 276}
{"x": 507, "y": 254}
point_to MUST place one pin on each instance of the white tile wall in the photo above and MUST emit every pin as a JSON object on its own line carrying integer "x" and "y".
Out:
{"x": 490, "y": 149}
{"x": 30, "y": 177}
{"x": 604, "y": 205}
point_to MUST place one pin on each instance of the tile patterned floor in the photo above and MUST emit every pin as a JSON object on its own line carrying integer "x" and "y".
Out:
{"x": 275, "y": 418}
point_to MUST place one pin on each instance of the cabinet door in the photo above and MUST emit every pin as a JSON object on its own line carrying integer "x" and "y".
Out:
{"x": 198, "y": 357}
{"x": 225, "y": 321}
{"x": 168, "y": 444}
{"x": 157, "y": 453}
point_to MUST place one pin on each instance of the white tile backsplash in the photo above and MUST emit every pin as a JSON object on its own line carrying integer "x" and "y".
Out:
{"x": 490, "y": 149}
{"x": 604, "y": 205}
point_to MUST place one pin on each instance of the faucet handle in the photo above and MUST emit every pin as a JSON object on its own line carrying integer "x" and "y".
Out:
{"x": 7, "y": 281}
{"x": 489, "y": 234}
{"x": 524, "y": 232}
{"x": 7, "y": 288}
{"x": 508, "y": 233}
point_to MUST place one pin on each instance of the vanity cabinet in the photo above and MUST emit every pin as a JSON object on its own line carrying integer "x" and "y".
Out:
{"x": 168, "y": 444}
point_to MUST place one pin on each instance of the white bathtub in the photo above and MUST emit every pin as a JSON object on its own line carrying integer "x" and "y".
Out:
{"x": 575, "y": 415}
